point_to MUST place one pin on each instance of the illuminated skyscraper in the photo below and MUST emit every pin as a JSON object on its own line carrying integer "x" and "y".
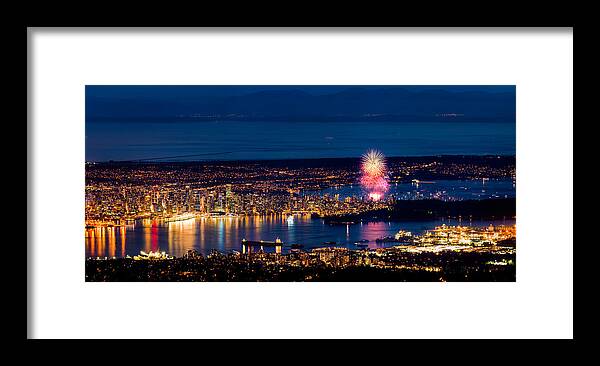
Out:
{"x": 228, "y": 199}
{"x": 210, "y": 202}
{"x": 188, "y": 199}
{"x": 202, "y": 204}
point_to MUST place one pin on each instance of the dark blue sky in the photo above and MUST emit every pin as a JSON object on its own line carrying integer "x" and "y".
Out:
{"x": 281, "y": 122}
{"x": 159, "y": 91}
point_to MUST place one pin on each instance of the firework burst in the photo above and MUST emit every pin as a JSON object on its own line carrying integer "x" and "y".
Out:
{"x": 373, "y": 163}
{"x": 373, "y": 179}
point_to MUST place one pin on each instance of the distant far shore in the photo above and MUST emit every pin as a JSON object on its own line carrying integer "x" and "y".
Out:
{"x": 503, "y": 158}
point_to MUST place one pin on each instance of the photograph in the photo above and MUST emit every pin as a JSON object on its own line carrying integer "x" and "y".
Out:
{"x": 300, "y": 183}
{"x": 250, "y": 183}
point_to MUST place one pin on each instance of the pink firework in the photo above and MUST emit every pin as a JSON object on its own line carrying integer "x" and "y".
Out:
{"x": 373, "y": 179}
{"x": 374, "y": 183}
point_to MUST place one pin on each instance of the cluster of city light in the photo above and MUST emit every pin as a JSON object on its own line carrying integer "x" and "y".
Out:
{"x": 116, "y": 196}
{"x": 373, "y": 174}
{"x": 152, "y": 256}
{"x": 467, "y": 236}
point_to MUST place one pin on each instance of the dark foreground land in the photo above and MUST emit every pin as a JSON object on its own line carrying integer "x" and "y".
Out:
{"x": 397, "y": 267}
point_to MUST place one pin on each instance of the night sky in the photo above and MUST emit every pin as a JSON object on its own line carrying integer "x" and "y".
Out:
{"x": 175, "y": 123}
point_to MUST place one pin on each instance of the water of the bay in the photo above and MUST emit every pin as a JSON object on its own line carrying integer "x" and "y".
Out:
{"x": 439, "y": 189}
{"x": 226, "y": 233}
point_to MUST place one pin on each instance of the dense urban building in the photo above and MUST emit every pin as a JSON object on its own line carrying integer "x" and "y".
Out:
{"x": 117, "y": 192}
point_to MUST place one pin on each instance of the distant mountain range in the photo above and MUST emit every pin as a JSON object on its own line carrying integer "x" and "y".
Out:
{"x": 353, "y": 104}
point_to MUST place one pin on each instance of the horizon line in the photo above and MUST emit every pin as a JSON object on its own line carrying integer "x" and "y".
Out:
{"x": 148, "y": 160}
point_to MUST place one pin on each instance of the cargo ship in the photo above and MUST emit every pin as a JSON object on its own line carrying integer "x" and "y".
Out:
{"x": 248, "y": 246}
{"x": 265, "y": 243}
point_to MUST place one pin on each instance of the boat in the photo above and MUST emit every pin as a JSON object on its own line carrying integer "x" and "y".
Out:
{"x": 331, "y": 223}
{"x": 329, "y": 243}
{"x": 181, "y": 217}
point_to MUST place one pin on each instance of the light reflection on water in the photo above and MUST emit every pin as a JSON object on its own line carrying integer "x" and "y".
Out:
{"x": 226, "y": 234}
